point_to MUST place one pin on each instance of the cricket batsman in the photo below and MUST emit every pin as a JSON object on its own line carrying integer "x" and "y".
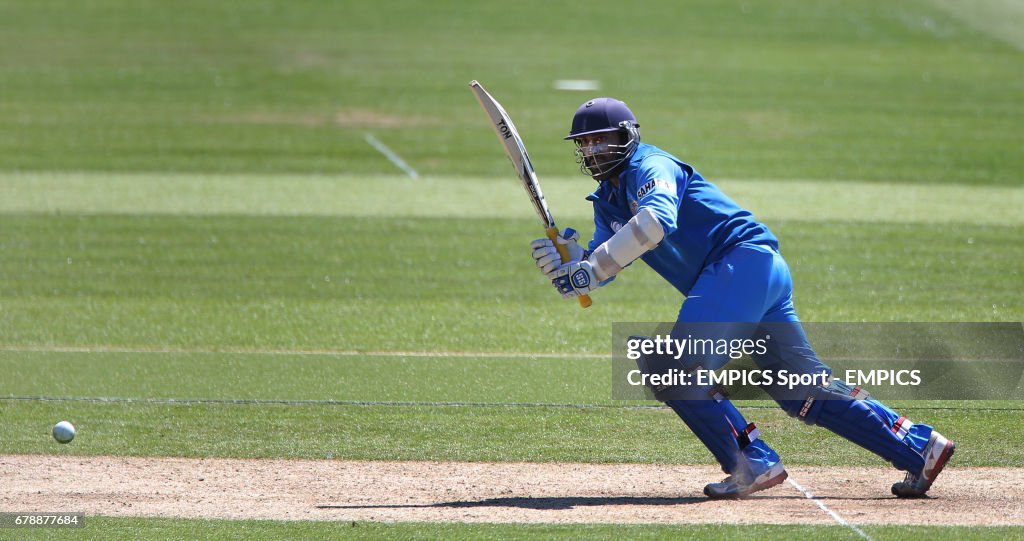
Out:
{"x": 650, "y": 205}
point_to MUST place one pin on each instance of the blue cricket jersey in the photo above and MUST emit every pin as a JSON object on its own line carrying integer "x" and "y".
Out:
{"x": 701, "y": 223}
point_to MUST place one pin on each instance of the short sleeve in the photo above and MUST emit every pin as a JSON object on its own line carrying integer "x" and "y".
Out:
{"x": 657, "y": 189}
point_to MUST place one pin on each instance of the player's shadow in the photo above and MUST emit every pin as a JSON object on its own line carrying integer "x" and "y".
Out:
{"x": 868, "y": 498}
{"x": 546, "y": 504}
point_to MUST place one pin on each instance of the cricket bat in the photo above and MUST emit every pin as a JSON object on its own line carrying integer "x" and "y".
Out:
{"x": 516, "y": 152}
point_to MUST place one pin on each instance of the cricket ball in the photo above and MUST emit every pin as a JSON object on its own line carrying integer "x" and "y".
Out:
{"x": 63, "y": 432}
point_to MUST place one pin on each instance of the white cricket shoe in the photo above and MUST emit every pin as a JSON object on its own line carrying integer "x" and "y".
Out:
{"x": 732, "y": 488}
{"x": 936, "y": 454}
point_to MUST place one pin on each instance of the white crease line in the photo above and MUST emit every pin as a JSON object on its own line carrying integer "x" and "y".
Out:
{"x": 389, "y": 154}
{"x": 830, "y": 512}
{"x": 311, "y": 352}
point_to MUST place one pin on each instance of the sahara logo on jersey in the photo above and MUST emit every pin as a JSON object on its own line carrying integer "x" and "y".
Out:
{"x": 651, "y": 185}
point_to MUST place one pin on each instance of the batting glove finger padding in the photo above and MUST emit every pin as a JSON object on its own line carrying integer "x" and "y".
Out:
{"x": 542, "y": 243}
{"x": 546, "y": 256}
{"x": 547, "y": 259}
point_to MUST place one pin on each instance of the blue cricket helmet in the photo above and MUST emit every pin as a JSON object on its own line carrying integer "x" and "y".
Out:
{"x": 604, "y": 115}
{"x": 601, "y": 115}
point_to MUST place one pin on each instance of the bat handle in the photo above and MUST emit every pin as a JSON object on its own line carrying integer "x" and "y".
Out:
{"x": 563, "y": 252}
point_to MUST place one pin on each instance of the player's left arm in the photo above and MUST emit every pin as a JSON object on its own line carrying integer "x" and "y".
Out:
{"x": 656, "y": 217}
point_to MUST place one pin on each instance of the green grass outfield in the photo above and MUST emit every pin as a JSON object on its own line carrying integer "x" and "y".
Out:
{"x": 159, "y": 332}
{"x": 913, "y": 91}
{"x": 195, "y": 234}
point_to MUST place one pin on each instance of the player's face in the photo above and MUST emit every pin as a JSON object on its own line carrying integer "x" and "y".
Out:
{"x": 599, "y": 154}
{"x": 593, "y": 144}
{"x": 593, "y": 149}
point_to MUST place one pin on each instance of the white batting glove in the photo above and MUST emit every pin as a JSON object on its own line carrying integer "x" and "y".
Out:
{"x": 546, "y": 256}
{"x": 575, "y": 279}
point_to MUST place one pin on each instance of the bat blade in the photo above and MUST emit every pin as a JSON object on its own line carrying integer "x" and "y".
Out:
{"x": 515, "y": 150}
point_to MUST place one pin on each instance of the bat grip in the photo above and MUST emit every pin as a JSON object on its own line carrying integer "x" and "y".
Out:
{"x": 563, "y": 252}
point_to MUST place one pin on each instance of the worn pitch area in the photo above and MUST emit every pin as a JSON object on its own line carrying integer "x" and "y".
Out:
{"x": 488, "y": 492}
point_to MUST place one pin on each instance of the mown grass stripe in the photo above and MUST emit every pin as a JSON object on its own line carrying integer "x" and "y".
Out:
{"x": 412, "y": 404}
{"x": 157, "y": 350}
{"x": 299, "y": 352}
{"x": 262, "y": 401}
{"x": 1001, "y": 19}
{"x": 473, "y": 197}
